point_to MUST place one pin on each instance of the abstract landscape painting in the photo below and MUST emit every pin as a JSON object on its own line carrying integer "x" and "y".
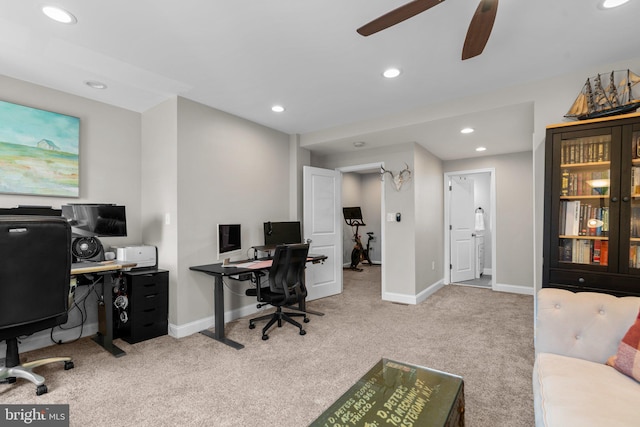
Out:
{"x": 38, "y": 152}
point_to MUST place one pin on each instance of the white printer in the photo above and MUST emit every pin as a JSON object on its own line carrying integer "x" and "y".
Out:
{"x": 144, "y": 256}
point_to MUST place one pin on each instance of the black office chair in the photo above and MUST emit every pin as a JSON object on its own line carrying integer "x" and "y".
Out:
{"x": 35, "y": 265}
{"x": 286, "y": 287}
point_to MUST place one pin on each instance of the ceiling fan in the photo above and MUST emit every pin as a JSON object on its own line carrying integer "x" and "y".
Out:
{"x": 477, "y": 34}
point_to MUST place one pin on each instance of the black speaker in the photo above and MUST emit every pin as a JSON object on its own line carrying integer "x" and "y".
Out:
{"x": 87, "y": 249}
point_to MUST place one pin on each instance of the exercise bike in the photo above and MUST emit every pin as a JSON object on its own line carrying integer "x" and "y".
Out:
{"x": 353, "y": 218}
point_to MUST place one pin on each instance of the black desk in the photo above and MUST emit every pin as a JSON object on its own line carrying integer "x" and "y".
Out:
{"x": 219, "y": 272}
{"x": 105, "y": 270}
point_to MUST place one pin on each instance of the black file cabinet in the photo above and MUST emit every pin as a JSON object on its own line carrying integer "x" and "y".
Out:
{"x": 148, "y": 293}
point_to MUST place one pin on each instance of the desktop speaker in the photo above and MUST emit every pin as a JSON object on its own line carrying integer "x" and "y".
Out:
{"x": 87, "y": 249}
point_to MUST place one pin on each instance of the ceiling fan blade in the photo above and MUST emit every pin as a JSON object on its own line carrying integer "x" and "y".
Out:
{"x": 397, "y": 15}
{"x": 480, "y": 29}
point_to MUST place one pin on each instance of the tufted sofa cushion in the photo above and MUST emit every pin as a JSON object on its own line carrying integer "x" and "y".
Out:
{"x": 586, "y": 325}
{"x": 575, "y": 334}
{"x": 574, "y": 392}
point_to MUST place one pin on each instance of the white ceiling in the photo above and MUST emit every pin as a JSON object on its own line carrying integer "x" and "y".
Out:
{"x": 243, "y": 56}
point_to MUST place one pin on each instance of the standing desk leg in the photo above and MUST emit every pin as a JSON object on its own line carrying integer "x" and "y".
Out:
{"x": 106, "y": 341}
{"x": 218, "y": 333}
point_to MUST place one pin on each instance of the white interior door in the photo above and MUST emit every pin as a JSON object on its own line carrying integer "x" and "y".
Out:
{"x": 322, "y": 225}
{"x": 462, "y": 229}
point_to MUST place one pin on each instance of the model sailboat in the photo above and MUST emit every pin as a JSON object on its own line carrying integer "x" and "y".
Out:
{"x": 616, "y": 98}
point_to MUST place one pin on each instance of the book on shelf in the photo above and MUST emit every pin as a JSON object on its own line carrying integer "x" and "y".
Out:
{"x": 585, "y": 150}
{"x": 635, "y": 181}
{"x": 584, "y": 251}
{"x": 585, "y": 183}
{"x": 597, "y": 246}
{"x": 634, "y": 256}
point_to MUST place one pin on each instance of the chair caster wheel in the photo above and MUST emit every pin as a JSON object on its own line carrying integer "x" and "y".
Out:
{"x": 265, "y": 337}
{"x": 9, "y": 380}
{"x": 303, "y": 332}
{"x": 306, "y": 320}
{"x": 68, "y": 365}
{"x": 42, "y": 389}
{"x": 252, "y": 326}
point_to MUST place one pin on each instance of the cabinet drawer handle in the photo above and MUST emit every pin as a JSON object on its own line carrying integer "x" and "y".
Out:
{"x": 148, "y": 285}
{"x": 625, "y": 199}
{"x": 581, "y": 280}
{"x": 151, "y": 296}
{"x": 614, "y": 199}
{"x": 149, "y": 310}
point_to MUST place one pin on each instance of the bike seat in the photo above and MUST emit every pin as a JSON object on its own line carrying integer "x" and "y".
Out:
{"x": 370, "y": 233}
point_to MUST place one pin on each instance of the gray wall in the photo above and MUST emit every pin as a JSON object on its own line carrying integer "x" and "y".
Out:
{"x": 206, "y": 168}
{"x": 109, "y": 173}
{"x": 406, "y": 244}
{"x": 514, "y": 214}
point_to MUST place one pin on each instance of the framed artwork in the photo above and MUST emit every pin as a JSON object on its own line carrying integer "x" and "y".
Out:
{"x": 39, "y": 152}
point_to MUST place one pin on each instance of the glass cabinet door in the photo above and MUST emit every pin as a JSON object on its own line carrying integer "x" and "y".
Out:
{"x": 584, "y": 209}
{"x": 634, "y": 241}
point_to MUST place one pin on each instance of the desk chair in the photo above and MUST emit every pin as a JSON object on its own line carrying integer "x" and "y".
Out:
{"x": 35, "y": 265}
{"x": 286, "y": 287}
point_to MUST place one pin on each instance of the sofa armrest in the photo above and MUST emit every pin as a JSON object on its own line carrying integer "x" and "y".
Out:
{"x": 586, "y": 325}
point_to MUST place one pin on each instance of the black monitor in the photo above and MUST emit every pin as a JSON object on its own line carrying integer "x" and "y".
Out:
{"x": 96, "y": 220}
{"x": 278, "y": 233}
{"x": 229, "y": 238}
{"x": 352, "y": 213}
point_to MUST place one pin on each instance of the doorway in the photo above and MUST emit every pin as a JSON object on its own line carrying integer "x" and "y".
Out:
{"x": 469, "y": 227}
{"x": 362, "y": 186}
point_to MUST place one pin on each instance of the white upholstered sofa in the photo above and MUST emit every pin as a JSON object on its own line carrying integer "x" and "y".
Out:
{"x": 575, "y": 335}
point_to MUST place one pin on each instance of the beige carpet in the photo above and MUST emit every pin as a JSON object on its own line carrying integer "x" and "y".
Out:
{"x": 486, "y": 337}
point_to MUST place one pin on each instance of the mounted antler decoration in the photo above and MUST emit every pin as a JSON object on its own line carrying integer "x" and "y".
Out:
{"x": 403, "y": 176}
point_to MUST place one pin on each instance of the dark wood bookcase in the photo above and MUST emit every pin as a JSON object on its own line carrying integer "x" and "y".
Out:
{"x": 592, "y": 205}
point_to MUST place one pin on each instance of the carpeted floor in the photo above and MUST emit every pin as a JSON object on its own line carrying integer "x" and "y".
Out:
{"x": 486, "y": 337}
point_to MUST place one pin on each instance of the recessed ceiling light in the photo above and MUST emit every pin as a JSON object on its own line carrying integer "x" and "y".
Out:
{"x": 359, "y": 144}
{"x": 96, "y": 85}
{"x": 481, "y": 149}
{"x": 609, "y": 4}
{"x": 277, "y": 108}
{"x": 467, "y": 130}
{"x": 59, "y": 15}
{"x": 391, "y": 73}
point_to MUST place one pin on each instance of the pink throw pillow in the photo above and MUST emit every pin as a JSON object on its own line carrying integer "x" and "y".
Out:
{"x": 627, "y": 359}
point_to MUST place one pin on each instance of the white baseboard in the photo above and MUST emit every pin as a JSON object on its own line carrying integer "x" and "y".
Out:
{"x": 514, "y": 289}
{"x": 196, "y": 326}
{"x": 413, "y": 299}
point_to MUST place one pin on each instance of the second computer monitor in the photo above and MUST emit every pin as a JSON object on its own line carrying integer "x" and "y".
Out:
{"x": 278, "y": 233}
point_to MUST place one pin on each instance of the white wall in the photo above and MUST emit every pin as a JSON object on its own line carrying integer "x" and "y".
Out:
{"x": 109, "y": 173}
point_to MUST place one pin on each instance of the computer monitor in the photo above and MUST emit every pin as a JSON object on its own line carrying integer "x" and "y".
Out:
{"x": 352, "y": 213}
{"x": 229, "y": 238}
{"x": 278, "y": 233}
{"x": 96, "y": 220}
